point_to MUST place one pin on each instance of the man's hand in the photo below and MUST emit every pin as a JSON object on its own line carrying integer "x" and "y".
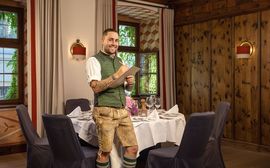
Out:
{"x": 130, "y": 80}
{"x": 120, "y": 71}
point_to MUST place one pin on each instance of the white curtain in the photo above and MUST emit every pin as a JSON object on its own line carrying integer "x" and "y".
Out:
{"x": 49, "y": 59}
{"x": 105, "y": 18}
{"x": 167, "y": 58}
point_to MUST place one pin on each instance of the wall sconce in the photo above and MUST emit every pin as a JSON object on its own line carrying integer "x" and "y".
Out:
{"x": 245, "y": 50}
{"x": 78, "y": 51}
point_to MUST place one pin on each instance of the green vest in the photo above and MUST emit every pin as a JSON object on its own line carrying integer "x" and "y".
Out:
{"x": 111, "y": 97}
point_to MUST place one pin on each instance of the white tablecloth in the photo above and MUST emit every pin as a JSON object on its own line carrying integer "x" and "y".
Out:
{"x": 148, "y": 133}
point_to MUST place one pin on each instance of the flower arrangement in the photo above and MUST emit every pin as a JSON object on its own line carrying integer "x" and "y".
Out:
{"x": 131, "y": 106}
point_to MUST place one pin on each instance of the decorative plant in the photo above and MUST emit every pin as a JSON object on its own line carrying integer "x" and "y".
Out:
{"x": 131, "y": 106}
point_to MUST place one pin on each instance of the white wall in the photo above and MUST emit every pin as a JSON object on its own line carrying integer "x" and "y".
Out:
{"x": 78, "y": 22}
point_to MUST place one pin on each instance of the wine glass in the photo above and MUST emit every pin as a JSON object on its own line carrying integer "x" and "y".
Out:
{"x": 149, "y": 102}
{"x": 157, "y": 103}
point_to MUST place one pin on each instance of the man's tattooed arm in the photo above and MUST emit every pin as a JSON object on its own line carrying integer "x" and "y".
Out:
{"x": 99, "y": 86}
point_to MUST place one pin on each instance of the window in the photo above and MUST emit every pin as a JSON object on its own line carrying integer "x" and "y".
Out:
{"x": 11, "y": 55}
{"x": 147, "y": 80}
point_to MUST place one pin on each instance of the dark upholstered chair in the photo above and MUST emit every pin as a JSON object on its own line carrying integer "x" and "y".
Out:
{"x": 189, "y": 153}
{"x": 213, "y": 156}
{"x": 65, "y": 146}
{"x": 38, "y": 149}
{"x": 71, "y": 104}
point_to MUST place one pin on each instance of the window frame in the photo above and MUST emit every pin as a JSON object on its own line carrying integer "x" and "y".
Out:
{"x": 138, "y": 52}
{"x": 19, "y": 45}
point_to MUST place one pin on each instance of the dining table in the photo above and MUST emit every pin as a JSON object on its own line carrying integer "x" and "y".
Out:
{"x": 151, "y": 130}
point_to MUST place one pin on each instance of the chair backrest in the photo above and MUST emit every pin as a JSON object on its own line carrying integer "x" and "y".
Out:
{"x": 28, "y": 130}
{"x": 222, "y": 110}
{"x": 71, "y": 104}
{"x": 196, "y": 135}
{"x": 62, "y": 138}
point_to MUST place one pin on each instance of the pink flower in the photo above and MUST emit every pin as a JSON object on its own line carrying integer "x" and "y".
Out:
{"x": 131, "y": 106}
{"x": 129, "y": 102}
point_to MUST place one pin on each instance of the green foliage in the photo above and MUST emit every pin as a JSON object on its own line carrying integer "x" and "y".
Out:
{"x": 12, "y": 92}
{"x": 148, "y": 80}
{"x": 127, "y": 58}
{"x": 127, "y": 36}
{"x": 10, "y": 18}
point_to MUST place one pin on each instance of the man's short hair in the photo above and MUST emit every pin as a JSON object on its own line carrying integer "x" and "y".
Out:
{"x": 106, "y": 31}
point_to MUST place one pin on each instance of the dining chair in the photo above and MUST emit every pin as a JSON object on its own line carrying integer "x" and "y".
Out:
{"x": 65, "y": 146}
{"x": 38, "y": 149}
{"x": 71, "y": 104}
{"x": 212, "y": 156}
{"x": 189, "y": 153}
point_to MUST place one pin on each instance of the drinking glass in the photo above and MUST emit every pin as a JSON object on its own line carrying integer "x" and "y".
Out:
{"x": 149, "y": 103}
{"x": 157, "y": 103}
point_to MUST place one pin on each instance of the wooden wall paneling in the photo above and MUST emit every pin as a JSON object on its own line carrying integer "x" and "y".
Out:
{"x": 222, "y": 68}
{"x": 183, "y": 67}
{"x": 247, "y": 78}
{"x": 183, "y": 14}
{"x": 200, "y": 71}
{"x": 189, "y": 12}
{"x": 265, "y": 77}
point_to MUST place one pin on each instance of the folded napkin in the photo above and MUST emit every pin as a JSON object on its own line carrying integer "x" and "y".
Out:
{"x": 174, "y": 109}
{"x": 153, "y": 115}
{"x": 76, "y": 112}
{"x": 136, "y": 124}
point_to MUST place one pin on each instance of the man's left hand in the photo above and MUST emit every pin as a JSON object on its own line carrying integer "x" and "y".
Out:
{"x": 130, "y": 80}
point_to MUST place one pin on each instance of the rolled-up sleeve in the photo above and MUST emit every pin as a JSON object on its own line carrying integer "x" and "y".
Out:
{"x": 93, "y": 69}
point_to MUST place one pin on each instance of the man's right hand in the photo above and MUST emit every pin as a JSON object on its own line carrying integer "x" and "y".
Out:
{"x": 120, "y": 71}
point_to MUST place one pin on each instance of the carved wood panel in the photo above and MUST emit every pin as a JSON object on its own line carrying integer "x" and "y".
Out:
{"x": 193, "y": 11}
{"x": 265, "y": 78}
{"x": 222, "y": 67}
{"x": 200, "y": 70}
{"x": 183, "y": 68}
{"x": 10, "y": 131}
{"x": 247, "y": 81}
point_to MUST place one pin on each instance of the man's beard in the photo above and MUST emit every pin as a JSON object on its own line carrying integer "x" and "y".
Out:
{"x": 108, "y": 51}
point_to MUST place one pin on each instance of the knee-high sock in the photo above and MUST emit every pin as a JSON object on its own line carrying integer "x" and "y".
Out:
{"x": 129, "y": 162}
{"x": 103, "y": 164}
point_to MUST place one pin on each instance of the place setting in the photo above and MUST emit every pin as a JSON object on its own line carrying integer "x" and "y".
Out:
{"x": 78, "y": 114}
{"x": 170, "y": 114}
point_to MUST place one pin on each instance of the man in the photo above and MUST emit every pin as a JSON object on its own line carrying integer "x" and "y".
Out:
{"x": 109, "y": 113}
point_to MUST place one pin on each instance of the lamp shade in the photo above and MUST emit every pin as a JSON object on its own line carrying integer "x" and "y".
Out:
{"x": 78, "y": 51}
{"x": 243, "y": 51}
